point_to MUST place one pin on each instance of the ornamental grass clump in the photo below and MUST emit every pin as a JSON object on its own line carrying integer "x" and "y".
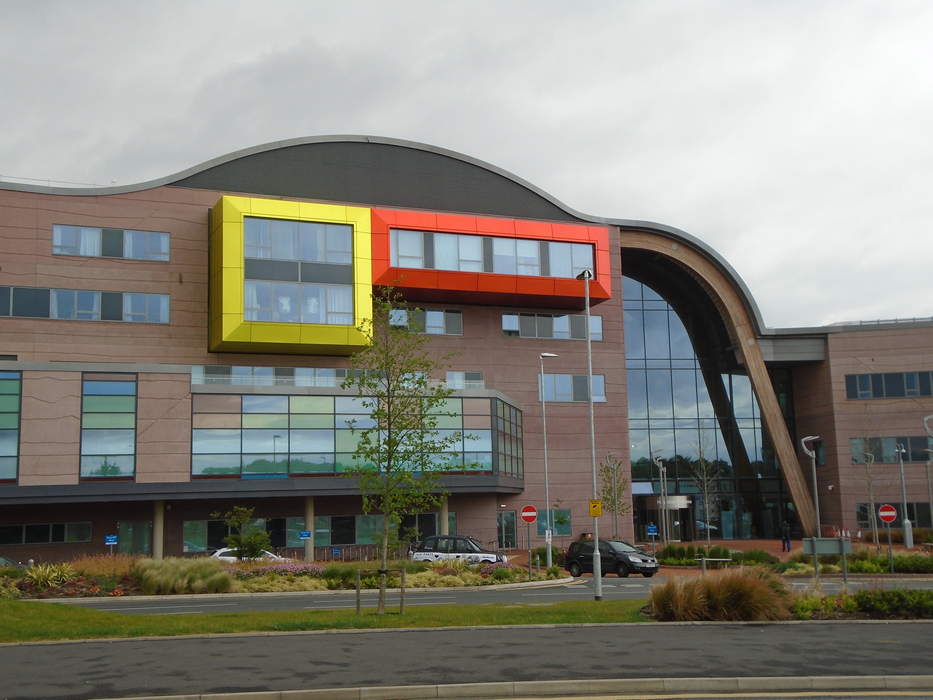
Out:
{"x": 175, "y": 575}
{"x": 751, "y": 594}
{"x": 49, "y": 575}
{"x": 105, "y": 565}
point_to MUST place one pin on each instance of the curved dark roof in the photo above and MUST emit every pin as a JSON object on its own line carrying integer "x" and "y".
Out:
{"x": 373, "y": 170}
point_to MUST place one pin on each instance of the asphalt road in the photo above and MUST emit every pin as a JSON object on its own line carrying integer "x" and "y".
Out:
{"x": 77, "y": 671}
{"x": 632, "y": 588}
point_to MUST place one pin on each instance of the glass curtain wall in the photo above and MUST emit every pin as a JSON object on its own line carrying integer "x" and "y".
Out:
{"x": 720, "y": 460}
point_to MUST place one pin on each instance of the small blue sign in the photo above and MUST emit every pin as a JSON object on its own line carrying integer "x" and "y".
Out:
{"x": 110, "y": 540}
{"x": 304, "y": 534}
{"x": 652, "y": 530}
{"x": 335, "y": 551}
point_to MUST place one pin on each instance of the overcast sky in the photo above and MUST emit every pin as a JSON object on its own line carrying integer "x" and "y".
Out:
{"x": 792, "y": 137}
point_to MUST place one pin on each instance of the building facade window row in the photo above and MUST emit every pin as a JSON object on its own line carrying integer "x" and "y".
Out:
{"x": 108, "y": 426}
{"x": 917, "y": 448}
{"x": 889, "y": 385}
{"x": 83, "y": 305}
{"x": 45, "y": 533}
{"x": 298, "y": 272}
{"x": 253, "y": 436}
{"x": 470, "y": 253}
{"x": 556, "y": 326}
{"x": 10, "y": 407}
{"x": 430, "y": 321}
{"x": 571, "y": 387}
{"x": 94, "y": 242}
{"x": 235, "y": 375}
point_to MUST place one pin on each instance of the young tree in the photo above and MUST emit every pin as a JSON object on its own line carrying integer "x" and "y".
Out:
{"x": 705, "y": 475}
{"x": 399, "y": 458}
{"x": 613, "y": 485}
{"x": 247, "y": 539}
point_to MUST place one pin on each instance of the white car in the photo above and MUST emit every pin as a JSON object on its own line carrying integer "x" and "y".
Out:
{"x": 439, "y": 547}
{"x": 228, "y": 554}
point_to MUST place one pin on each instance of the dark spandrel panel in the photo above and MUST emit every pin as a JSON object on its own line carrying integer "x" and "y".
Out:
{"x": 4, "y": 301}
{"x": 11, "y": 534}
{"x": 925, "y": 384}
{"x": 581, "y": 387}
{"x": 111, "y": 306}
{"x": 894, "y": 384}
{"x": 279, "y": 270}
{"x": 111, "y": 243}
{"x": 487, "y": 255}
{"x": 36, "y": 534}
{"x": 30, "y": 302}
{"x": 851, "y": 386}
{"x": 326, "y": 273}
{"x": 453, "y": 323}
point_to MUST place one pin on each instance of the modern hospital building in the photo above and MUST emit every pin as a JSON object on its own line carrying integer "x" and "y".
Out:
{"x": 174, "y": 348}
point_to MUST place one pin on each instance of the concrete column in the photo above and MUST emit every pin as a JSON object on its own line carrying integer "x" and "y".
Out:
{"x": 309, "y": 525}
{"x": 444, "y": 517}
{"x": 158, "y": 529}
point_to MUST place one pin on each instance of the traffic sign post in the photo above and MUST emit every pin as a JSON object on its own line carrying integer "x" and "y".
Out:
{"x": 888, "y": 514}
{"x": 596, "y": 508}
{"x": 529, "y": 515}
{"x": 110, "y": 541}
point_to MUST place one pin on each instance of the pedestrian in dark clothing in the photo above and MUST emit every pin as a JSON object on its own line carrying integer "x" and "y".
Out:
{"x": 785, "y": 536}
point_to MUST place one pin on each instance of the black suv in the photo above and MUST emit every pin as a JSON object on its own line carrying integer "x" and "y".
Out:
{"x": 616, "y": 557}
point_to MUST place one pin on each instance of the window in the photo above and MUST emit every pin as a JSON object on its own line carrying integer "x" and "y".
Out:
{"x": 309, "y": 241}
{"x": 472, "y": 253}
{"x": 108, "y": 427}
{"x": 110, "y": 242}
{"x": 145, "y": 308}
{"x": 465, "y": 380}
{"x": 45, "y": 533}
{"x": 83, "y": 305}
{"x": 572, "y": 387}
{"x": 885, "y": 449}
{"x": 559, "y": 326}
{"x": 10, "y": 390}
{"x": 431, "y": 321}
{"x": 889, "y": 385}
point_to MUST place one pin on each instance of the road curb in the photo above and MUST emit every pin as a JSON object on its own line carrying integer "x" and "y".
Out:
{"x": 618, "y": 686}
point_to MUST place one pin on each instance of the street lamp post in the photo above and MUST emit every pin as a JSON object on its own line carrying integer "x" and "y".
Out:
{"x": 908, "y": 528}
{"x": 662, "y": 476}
{"x": 549, "y": 524}
{"x": 811, "y": 452}
{"x": 502, "y": 523}
{"x": 586, "y": 276}
{"x": 873, "y": 516}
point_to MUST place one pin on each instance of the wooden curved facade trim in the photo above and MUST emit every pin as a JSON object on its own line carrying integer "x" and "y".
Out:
{"x": 739, "y": 323}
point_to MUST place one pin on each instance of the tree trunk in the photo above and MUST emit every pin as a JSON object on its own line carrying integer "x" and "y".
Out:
{"x": 706, "y": 511}
{"x": 381, "y": 607}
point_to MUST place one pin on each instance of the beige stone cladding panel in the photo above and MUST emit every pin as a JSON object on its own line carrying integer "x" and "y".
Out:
{"x": 871, "y": 352}
{"x": 50, "y": 438}
{"x": 163, "y": 428}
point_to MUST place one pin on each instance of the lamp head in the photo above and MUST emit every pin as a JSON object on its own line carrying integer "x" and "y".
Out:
{"x": 587, "y": 274}
{"x": 548, "y": 354}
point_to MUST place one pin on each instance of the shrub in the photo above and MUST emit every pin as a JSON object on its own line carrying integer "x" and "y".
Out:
{"x": 8, "y": 589}
{"x": 490, "y": 568}
{"x": 749, "y": 594}
{"x": 175, "y": 575}
{"x": 913, "y": 564}
{"x": 756, "y": 556}
{"x": 896, "y": 603}
{"x": 557, "y": 556}
{"x": 554, "y": 572}
{"x": 275, "y": 583}
{"x": 796, "y": 568}
{"x": 48, "y": 575}
{"x": 112, "y": 566}
{"x": 295, "y": 568}
{"x": 809, "y": 607}
{"x": 11, "y": 572}
{"x": 503, "y": 574}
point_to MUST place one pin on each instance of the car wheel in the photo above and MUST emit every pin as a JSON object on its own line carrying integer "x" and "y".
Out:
{"x": 622, "y": 571}
{"x": 647, "y": 574}
{"x": 574, "y": 569}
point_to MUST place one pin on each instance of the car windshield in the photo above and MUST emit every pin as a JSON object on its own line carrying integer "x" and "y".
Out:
{"x": 623, "y": 547}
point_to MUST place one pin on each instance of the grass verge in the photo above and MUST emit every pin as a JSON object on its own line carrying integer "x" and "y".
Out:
{"x": 26, "y": 621}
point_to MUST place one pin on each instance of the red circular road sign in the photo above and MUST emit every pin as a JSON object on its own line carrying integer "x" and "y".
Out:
{"x": 887, "y": 513}
{"x": 529, "y": 514}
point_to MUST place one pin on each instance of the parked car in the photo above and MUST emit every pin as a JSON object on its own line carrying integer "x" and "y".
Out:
{"x": 229, "y": 554}
{"x": 616, "y": 557}
{"x": 440, "y": 547}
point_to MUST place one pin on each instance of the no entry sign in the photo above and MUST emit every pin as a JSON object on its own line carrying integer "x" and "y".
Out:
{"x": 529, "y": 514}
{"x": 887, "y": 513}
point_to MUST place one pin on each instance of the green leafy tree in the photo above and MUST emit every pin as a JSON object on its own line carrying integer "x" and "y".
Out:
{"x": 398, "y": 461}
{"x": 247, "y": 538}
{"x": 613, "y": 488}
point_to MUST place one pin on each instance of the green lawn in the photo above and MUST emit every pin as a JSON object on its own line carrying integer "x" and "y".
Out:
{"x": 23, "y": 621}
